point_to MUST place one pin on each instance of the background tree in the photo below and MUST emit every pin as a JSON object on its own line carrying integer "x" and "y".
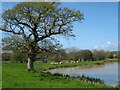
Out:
{"x": 99, "y": 54}
{"x": 72, "y": 53}
{"x": 37, "y": 21}
{"x": 18, "y": 57}
{"x": 49, "y": 50}
{"x": 15, "y": 44}
{"x": 110, "y": 54}
{"x": 6, "y": 56}
{"x": 85, "y": 55}
{"x": 118, "y": 55}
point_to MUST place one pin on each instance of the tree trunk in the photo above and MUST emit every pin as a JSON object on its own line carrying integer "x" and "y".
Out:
{"x": 31, "y": 58}
{"x": 30, "y": 66}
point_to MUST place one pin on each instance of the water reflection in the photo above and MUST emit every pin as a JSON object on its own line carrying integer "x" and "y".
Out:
{"x": 107, "y": 72}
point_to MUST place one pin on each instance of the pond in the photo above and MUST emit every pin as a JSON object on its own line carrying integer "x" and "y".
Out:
{"x": 107, "y": 72}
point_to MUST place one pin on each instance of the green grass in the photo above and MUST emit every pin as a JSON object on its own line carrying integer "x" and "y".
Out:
{"x": 14, "y": 76}
{"x": 46, "y": 66}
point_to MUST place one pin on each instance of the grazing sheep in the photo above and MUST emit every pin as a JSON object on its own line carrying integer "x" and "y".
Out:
{"x": 60, "y": 62}
{"x": 77, "y": 61}
{"x": 51, "y": 63}
{"x": 71, "y": 61}
{"x": 56, "y": 62}
{"x": 67, "y": 62}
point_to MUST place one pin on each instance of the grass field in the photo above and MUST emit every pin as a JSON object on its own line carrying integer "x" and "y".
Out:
{"x": 14, "y": 76}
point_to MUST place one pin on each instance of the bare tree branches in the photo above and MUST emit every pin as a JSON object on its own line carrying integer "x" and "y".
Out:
{"x": 36, "y": 21}
{"x": 18, "y": 33}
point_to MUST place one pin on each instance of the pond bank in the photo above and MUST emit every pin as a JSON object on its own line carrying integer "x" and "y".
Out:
{"x": 85, "y": 63}
{"x": 107, "y": 72}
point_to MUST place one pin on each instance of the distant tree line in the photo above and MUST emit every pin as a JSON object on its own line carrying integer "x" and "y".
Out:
{"x": 70, "y": 54}
{"x": 90, "y": 55}
{"x": 53, "y": 52}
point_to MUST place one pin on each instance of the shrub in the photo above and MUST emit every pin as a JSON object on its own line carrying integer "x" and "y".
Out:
{"x": 6, "y": 56}
{"x": 18, "y": 57}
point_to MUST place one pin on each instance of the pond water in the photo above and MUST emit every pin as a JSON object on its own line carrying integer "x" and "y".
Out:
{"x": 107, "y": 72}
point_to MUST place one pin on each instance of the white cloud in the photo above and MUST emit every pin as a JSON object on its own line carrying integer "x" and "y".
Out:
{"x": 108, "y": 46}
{"x": 96, "y": 47}
{"x": 108, "y": 42}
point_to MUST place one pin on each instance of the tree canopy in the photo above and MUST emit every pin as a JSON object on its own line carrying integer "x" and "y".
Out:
{"x": 39, "y": 21}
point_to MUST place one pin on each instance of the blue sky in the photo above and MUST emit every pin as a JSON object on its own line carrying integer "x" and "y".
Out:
{"x": 99, "y": 29}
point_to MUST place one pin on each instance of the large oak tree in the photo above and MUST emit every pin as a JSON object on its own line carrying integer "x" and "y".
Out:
{"x": 38, "y": 21}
